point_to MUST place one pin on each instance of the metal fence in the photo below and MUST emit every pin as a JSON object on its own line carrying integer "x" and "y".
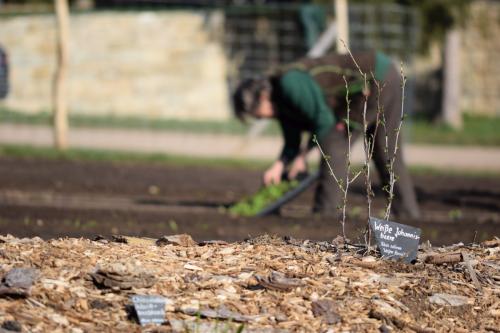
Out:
{"x": 391, "y": 28}
{"x": 261, "y": 34}
{"x": 260, "y": 37}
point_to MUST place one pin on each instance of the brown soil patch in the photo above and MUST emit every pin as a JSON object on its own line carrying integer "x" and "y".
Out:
{"x": 51, "y": 198}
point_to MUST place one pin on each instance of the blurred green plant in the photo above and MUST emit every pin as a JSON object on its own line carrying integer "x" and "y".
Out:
{"x": 126, "y": 157}
{"x": 230, "y": 126}
{"x": 455, "y": 214}
{"x": 478, "y": 130}
{"x": 438, "y": 16}
{"x": 173, "y": 225}
{"x": 263, "y": 198}
{"x": 24, "y": 2}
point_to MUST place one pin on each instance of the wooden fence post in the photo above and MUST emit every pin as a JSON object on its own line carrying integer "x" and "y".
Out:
{"x": 60, "y": 120}
{"x": 342, "y": 18}
{"x": 451, "y": 114}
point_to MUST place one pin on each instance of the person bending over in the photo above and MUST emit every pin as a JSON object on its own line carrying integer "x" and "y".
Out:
{"x": 310, "y": 96}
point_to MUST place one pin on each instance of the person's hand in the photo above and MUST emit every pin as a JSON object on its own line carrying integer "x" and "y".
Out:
{"x": 299, "y": 165}
{"x": 273, "y": 174}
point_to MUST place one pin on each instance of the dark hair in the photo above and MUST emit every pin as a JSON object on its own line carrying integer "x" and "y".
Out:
{"x": 246, "y": 98}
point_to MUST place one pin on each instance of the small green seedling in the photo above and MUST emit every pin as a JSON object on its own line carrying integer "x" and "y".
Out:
{"x": 264, "y": 197}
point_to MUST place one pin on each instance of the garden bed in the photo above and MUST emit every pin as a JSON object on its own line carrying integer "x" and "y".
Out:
{"x": 263, "y": 284}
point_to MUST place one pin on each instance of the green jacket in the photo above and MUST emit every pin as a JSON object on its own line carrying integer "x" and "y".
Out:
{"x": 310, "y": 95}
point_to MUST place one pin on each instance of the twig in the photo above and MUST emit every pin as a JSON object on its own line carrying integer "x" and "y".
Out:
{"x": 368, "y": 142}
{"x": 348, "y": 161}
{"x": 474, "y": 239}
{"x": 392, "y": 175}
{"x": 341, "y": 183}
{"x": 472, "y": 271}
{"x": 327, "y": 158}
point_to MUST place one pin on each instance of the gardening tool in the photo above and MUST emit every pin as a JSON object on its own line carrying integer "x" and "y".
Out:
{"x": 303, "y": 185}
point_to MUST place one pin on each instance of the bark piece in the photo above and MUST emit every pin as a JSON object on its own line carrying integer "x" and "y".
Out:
{"x": 326, "y": 308}
{"x": 220, "y": 313}
{"x": 141, "y": 241}
{"x": 182, "y": 326}
{"x": 18, "y": 282}
{"x": 101, "y": 239}
{"x": 398, "y": 322}
{"x": 21, "y": 277}
{"x": 99, "y": 304}
{"x": 12, "y": 326}
{"x": 367, "y": 262}
{"x": 213, "y": 242}
{"x": 179, "y": 240}
{"x": 444, "y": 258}
{"x": 121, "y": 276}
{"x": 278, "y": 281}
{"x": 58, "y": 319}
{"x": 450, "y": 300}
{"x": 119, "y": 239}
{"x": 385, "y": 308}
{"x": 491, "y": 243}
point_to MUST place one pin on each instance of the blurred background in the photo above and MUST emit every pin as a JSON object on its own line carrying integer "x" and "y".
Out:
{"x": 178, "y": 60}
{"x": 151, "y": 80}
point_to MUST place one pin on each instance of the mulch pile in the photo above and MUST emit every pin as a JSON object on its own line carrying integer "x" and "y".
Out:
{"x": 264, "y": 284}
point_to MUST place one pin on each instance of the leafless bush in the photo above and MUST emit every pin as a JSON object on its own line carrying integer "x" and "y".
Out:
{"x": 369, "y": 136}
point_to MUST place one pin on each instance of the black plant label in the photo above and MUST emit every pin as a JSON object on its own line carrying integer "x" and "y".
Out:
{"x": 396, "y": 241}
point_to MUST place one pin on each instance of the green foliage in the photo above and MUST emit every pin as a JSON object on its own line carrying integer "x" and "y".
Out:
{"x": 455, "y": 214}
{"x": 125, "y": 157}
{"x": 263, "y": 198}
{"x": 231, "y": 126}
{"x": 477, "y": 131}
{"x": 438, "y": 16}
{"x": 28, "y": 2}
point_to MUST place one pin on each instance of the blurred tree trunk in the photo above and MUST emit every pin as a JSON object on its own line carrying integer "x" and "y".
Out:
{"x": 59, "y": 87}
{"x": 451, "y": 81}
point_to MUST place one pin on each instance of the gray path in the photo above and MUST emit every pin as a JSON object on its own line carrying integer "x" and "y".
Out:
{"x": 231, "y": 146}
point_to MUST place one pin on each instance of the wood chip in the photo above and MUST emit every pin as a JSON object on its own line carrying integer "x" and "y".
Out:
{"x": 450, "y": 300}
{"x": 220, "y": 313}
{"x": 18, "y": 281}
{"x": 120, "y": 276}
{"x": 179, "y": 240}
{"x": 326, "y": 309}
{"x": 267, "y": 284}
{"x": 491, "y": 243}
{"x": 444, "y": 258}
{"x": 472, "y": 271}
{"x": 278, "y": 281}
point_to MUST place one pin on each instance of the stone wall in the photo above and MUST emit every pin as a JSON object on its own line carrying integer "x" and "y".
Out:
{"x": 480, "y": 57}
{"x": 167, "y": 64}
{"x": 171, "y": 64}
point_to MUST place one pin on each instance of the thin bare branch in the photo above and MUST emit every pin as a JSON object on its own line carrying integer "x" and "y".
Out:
{"x": 326, "y": 158}
{"x": 392, "y": 175}
{"x": 356, "y": 176}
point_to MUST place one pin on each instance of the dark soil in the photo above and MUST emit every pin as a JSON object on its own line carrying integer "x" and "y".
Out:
{"x": 53, "y": 198}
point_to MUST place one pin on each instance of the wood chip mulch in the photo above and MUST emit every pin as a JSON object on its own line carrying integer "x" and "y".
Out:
{"x": 264, "y": 284}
